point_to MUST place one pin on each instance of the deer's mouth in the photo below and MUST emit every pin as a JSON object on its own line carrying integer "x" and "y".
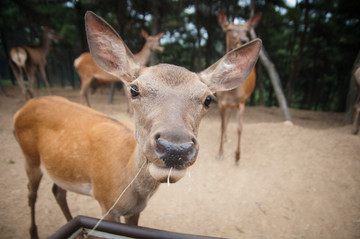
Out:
{"x": 164, "y": 174}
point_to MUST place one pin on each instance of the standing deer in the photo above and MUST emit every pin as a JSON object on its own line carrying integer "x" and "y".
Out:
{"x": 236, "y": 36}
{"x": 357, "y": 103}
{"x": 30, "y": 60}
{"x": 88, "y": 70}
{"x": 87, "y": 152}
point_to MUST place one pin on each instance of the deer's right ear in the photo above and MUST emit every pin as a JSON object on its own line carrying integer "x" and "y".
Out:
{"x": 108, "y": 49}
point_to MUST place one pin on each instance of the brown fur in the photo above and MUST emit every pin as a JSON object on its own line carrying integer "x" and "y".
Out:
{"x": 85, "y": 151}
{"x": 88, "y": 70}
{"x": 33, "y": 62}
{"x": 236, "y": 36}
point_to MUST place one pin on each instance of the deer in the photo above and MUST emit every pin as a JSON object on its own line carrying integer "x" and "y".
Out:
{"x": 236, "y": 36}
{"x": 88, "y": 152}
{"x": 88, "y": 70}
{"x": 31, "y": 60}
{"x": 357, "y": 103}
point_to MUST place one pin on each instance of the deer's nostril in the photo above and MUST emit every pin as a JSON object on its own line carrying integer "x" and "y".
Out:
{"x": 194, "y": 141}
{"x": 175, "y": 155}
{"x": 243, "y": 41}
{"x": 157, "y": 136}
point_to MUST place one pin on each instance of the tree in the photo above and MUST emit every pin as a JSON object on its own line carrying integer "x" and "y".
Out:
{"x": 274, "y": 76}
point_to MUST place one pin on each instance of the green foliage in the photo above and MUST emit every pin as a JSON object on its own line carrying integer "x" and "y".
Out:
{"x": 194, "y": 39}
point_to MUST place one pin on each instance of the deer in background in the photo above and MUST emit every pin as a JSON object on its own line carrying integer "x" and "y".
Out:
{"x": 236, "y": 36}
{"x": 88, "y": 70}
{"x": 30, "y": 60}
{"x": 87, "y": 152}
{"x": 357, "y": 102}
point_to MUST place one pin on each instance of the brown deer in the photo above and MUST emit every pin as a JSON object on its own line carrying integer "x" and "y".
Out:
{"x": 88, "y": 70}
{"x": 30, "y": 60}
{"x": 236, "y": 36}
{"x": 357, "y": 102}
{"x": 87, "y": 152}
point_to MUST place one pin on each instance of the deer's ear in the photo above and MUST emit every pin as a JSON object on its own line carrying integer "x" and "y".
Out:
{"x": 223, "y": 21}
{"x": 144, "y": 34}
{"x": 160, "y": 35}
{"x": 108, "y": 49}
{"x": 254, "y": 20}
{"x": 232, "y": 69}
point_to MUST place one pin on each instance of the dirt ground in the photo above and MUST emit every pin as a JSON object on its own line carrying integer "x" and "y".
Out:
{"x": 300, "y": 181}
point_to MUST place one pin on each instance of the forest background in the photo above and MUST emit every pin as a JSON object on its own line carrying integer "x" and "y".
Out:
{"x": 313, "y": 44}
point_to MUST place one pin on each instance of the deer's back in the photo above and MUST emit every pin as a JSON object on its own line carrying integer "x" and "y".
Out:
{"x": 87, "y": 68}
{"x": 80, "y": 143}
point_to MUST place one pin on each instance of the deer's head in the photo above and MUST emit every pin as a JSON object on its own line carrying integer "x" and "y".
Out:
{"x": 168, "y": 101}
{"x": 153, "y": 41}
{"x": 236, "y": 34}
{"x": 52, "y": 34}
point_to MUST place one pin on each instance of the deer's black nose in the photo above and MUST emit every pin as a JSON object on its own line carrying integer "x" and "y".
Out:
{"x": 243, "y": 41}
{"x": 175, "y": 155}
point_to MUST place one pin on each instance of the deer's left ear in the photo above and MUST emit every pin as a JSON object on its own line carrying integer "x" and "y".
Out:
{"x": 254, "y": 20}
{"x": 232, "y": 69}
{"x": 108, "y": 49}
{"x": 223, "y": 21}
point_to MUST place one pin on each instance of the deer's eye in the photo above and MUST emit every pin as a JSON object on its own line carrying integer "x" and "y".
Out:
{"x": 134, "y": 91}
{"x": 207, "y": 101}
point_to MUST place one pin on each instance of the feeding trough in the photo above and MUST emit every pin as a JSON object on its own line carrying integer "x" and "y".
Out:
{"x": 81, "y": 226}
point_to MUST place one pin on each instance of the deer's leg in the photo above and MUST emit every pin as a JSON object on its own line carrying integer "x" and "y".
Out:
{"x": 34, "y": 176}
{"x": 240, "y": 117}
{"x": 30, "y": 73}
{"x": 60, "y": 196}
{"x": 227, "y": 119}
{"x": 85, "y": 84}
{"x": 44, "y": 77}
{"x": 133, "y": 219}
{"x": 223, "y": 130}
{"x": 18, "y": 73}
{"x": 29, "y": 92}
{"x": 110, "y": 216}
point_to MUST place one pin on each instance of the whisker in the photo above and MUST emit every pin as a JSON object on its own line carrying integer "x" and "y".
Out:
{"x": 168, "y": 178}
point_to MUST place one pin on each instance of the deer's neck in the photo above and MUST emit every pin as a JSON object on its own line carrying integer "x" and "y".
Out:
{"x": 230, "y": 43}
{"x": 143, "y": 57}
{"x": 145, "y": 184}
{"x": 45, "y": 44}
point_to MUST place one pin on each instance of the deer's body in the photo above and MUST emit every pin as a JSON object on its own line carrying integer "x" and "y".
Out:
{"x": 88, "y": 70}
{"x": 69, "y": 149}
{"x": 357, "y": 103}
{"x": 236, "y": 36}
{"x": 31, "y": 60}
{"x": 90, "y": 153}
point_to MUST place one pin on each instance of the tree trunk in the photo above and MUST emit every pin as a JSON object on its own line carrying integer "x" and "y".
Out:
{"x": 197, "y": 22}
{"x": 260, "y": 83}
{"x": 275, "y": 80}
{"x": 351, "y": 96}
{"x": 274, "y": 76}
{"x": 80, "y": 22}
{"x": 291, "y": 82}
{"x": 6, "y": 50}
{"x": 155, "y": 29}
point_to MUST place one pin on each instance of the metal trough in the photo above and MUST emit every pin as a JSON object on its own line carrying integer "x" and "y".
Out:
{"x": 81, "y": 225}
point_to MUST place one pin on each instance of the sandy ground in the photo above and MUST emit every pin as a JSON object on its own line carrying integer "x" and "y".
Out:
{"x": 300, "y": 181}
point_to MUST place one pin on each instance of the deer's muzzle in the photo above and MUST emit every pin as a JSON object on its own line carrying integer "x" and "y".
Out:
{"x": 175, "y": 150}
{"x": 175, "y": 155}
